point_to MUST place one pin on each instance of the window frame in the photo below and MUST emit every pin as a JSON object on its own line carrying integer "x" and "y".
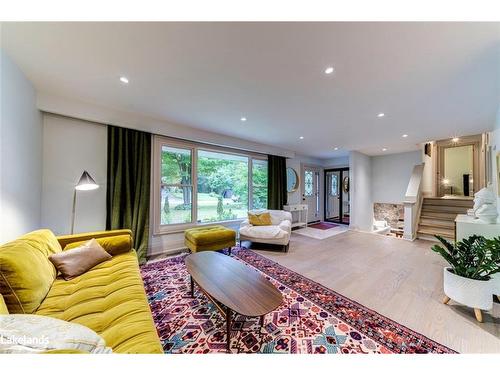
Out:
{"x": 194, "y": 147}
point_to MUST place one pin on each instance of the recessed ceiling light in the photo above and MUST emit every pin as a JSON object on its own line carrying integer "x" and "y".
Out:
{"x": 301, "y": 137}
{"x": 336, "y": 148}
{"x": 381, "y": 114}
{"x": 384, "y": 149}
{"x": 123, "y": 79}
{"x": 243, "y": 119}
{"x": 455, "y": 139}
{"x": 404, "y": 135}
{"x": 329, "y": 70}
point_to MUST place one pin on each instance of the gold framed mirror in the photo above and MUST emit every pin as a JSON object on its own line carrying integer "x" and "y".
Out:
{"x": 292, "y": 180}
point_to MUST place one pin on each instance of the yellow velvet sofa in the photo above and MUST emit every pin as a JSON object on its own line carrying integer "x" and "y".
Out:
{"x": 109, "y": 299}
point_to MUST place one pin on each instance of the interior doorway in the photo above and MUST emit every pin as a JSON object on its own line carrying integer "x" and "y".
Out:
{"x": 337, "y": 208}
{"x": 458, "y": 167}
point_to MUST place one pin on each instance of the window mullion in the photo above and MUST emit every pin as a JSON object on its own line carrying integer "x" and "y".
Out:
{"x": 250, "y": 183}
{"x": 194, "y": 180}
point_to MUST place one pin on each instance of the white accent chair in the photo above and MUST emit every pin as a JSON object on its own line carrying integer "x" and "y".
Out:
{"x": 278, "y": 233}
{"x": 381, "y": 227}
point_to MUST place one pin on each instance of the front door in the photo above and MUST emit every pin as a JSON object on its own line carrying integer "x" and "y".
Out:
{"x": 337, "y": 195}
{"x": 310, "y": 192}
{"x": 332, "y": 195}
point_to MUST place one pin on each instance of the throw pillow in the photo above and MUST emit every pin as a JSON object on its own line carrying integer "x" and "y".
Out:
{"x": 74, "y": 262}
{"x": 26, "y": 333}
{"x": 259, "y": 219}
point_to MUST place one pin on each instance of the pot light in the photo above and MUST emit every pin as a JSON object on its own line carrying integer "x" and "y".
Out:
{"x": 301, "y": 137}
{"x": 455, "y": 139}
{"x": 329, "y": 70}
{"x": 243, "y": 119}
{"x": 124, "y": 80}
{"x": 381, "y": 114}
{"x": 384, "y": 149}
{"x": 404, "y": 135}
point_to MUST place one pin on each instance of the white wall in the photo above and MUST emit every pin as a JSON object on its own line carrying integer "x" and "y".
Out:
{"x": 71, "y": 146}
{"x": 360, "y": 191}
{"x": 391, "y": 174}
{"x": 20, "y": 154}
{"x": 338, "y": 162}
{"x": 495, "y": 149}
{"x": 100, "y": 114}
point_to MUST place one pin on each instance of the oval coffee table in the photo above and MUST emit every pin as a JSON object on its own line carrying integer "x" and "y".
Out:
{"x": 232, "y": 286}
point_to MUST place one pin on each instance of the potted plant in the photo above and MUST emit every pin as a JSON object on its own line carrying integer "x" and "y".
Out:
{"x": 473, "y": 262}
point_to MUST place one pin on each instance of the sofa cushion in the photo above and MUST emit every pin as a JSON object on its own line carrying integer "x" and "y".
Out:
{"x": 114, "y": 245}
{"x": 109, "y": 299}
{"x": 26, "y": 274}
{"x": 3, "y": 306}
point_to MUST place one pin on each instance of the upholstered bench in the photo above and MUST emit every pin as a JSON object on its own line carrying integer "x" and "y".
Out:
{"x": 214, "y": 237}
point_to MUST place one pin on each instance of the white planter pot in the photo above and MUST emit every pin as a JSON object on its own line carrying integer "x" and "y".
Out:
{"x": 473, "y": 293}
{"x": 496, "y": 284}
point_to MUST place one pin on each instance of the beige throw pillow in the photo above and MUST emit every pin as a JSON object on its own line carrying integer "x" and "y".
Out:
{"x": 74, "y": 262}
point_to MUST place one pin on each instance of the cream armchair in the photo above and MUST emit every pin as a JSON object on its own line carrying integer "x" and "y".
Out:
{"x": 278, "y": 233}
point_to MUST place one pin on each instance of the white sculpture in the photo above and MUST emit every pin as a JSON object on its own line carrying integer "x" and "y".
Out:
{"x": 485, "y": 206}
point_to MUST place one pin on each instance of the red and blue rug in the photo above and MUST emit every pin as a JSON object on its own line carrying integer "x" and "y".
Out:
{"x": 312, "y": 318}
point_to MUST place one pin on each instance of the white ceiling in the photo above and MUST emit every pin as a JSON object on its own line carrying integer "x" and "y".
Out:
{"x": 432, "y": 80}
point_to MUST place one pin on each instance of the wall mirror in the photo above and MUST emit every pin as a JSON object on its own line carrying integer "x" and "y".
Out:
{"x": 292, "y": 180}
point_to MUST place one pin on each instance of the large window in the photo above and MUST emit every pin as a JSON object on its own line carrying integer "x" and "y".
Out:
{"x": 259, "y": 183}
{"x": 222, "y": 186}
{"x": 202, "y": 184}
{"x": 176, "y": 185}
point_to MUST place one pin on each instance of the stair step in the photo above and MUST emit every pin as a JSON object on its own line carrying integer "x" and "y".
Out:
{"x": 437, "y": 208}
{"x": 427, "y": 237}
{"x": 468, "y": 203}
{"x": 447, "y": 224}
{"x": 438, "y": 215}
{"x": 439, "y": 231}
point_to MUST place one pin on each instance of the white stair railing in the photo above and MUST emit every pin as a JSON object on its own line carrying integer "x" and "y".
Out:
{"x": 413, "y": 203}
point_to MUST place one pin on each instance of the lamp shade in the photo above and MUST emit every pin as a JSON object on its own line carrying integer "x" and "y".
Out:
{"x": 86, "y": 182}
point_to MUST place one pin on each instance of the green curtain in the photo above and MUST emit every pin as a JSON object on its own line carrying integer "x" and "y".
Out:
{"x": 128, "y": 188}
{"x": 276, "y": 187}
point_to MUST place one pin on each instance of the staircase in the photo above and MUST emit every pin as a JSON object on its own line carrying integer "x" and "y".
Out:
{"x": 438, "y": 216}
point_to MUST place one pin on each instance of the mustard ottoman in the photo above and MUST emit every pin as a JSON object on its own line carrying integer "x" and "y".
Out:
{"x": 214, "y": 237}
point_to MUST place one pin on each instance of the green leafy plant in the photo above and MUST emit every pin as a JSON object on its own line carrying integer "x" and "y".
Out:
{"x": 475, "y": 257}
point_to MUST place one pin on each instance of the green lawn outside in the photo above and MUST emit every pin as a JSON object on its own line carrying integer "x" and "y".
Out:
{"x": 207, "y": 209}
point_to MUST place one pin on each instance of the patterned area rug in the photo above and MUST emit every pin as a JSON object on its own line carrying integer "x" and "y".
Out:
{"x": 312, "y": 318}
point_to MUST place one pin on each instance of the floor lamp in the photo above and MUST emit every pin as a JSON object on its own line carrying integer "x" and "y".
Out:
{"x": 86, "y": 182}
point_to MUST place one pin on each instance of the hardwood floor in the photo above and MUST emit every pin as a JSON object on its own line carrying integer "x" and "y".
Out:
{"x": 400, "y": 279}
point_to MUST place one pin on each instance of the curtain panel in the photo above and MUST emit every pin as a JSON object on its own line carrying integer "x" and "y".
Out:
{"x": 129, "y": 182}
{"x": 276, "y": 190}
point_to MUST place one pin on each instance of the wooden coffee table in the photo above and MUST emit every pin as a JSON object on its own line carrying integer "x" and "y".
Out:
{"x": 232, "y": 287}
